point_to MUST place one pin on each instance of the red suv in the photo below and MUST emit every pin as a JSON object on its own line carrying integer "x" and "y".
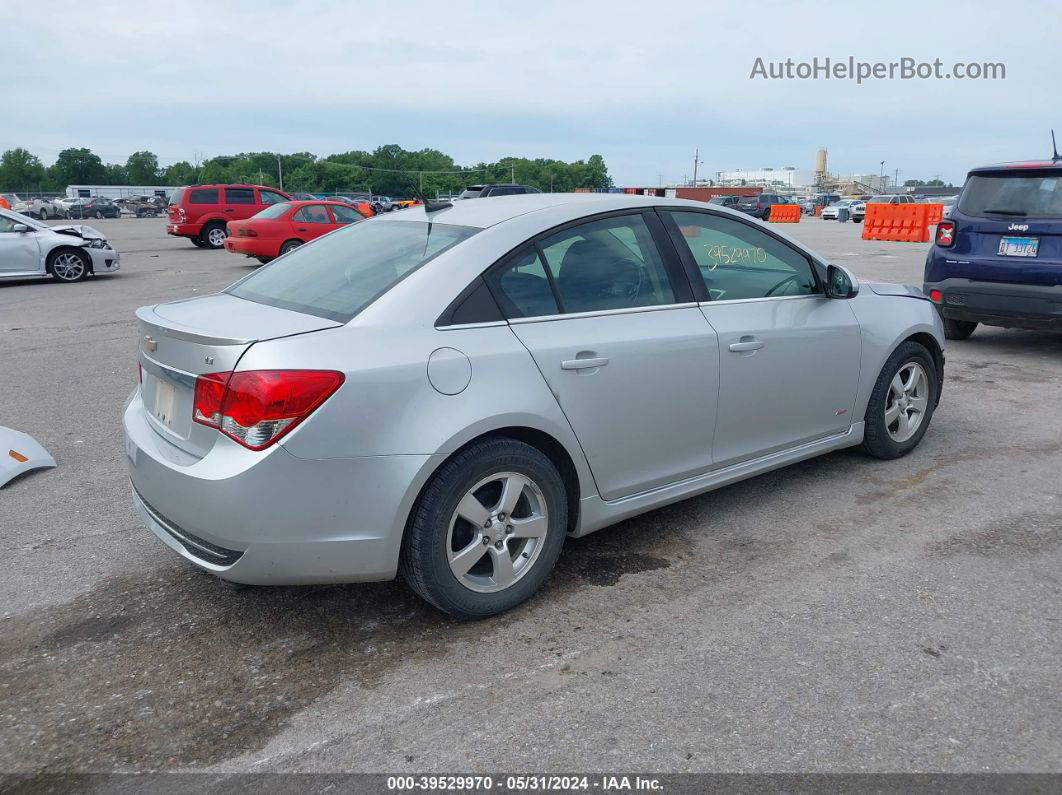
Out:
{"x": 200, "y": 212}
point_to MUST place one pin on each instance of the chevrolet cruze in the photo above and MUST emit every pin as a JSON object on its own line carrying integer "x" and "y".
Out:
{"x": 449, "y": 392}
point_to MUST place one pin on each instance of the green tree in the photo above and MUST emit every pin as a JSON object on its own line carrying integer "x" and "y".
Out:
{"x": 115, "y": 174}
{"x": 180, "y": 173}
{"x": 142, "y": 168}
{"x": 20, "y": 170}
{"x": 78, "y": 167}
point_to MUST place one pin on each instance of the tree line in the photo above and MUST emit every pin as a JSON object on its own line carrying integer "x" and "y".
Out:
{"x": 388, "y": 170}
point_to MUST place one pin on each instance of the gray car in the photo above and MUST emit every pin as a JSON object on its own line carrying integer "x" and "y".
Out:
{"x": 450, "y": 393}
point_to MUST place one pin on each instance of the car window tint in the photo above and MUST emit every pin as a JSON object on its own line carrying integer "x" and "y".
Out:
{"x": 6, "y": 224}
{"x": 204, "y": 196}
{"x": 271, "y": 197}
{"x": 607, "y": 264}
{"x": 522, "y": 286}
{"x": 312, "y": 214}
{"x": 737, "y": 260}
{"x": 239, "y": 196}
{"x": 344, "y": 215}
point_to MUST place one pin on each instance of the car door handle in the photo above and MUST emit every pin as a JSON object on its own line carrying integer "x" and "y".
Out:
{"x": 584, "y": 364}
{"x": 745, "y": 345}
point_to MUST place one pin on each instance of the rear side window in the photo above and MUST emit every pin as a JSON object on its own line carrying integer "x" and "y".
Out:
{"x": 175, "y": 197}
{"x": 608, "y": 264}
{"x": 204, "y": 196}
{"x": 342, "y": 273}
{"x": 1013, "y": 195}
{"x": 239, "y": 196}
{"x": 273, "y": 211}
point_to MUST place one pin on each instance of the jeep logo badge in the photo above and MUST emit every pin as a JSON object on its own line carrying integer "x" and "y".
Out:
{"x": 150, "y": 345}
{"x": 1018, "y": 228}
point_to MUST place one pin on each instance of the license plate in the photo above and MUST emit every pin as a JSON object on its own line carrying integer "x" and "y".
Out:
{"x": 165, "y": 402}
{"x": 1019, "y": 246}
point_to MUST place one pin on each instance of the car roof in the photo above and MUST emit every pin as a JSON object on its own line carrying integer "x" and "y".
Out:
{"x": 1018, "y": 164}
{"x": 483, "y": 213}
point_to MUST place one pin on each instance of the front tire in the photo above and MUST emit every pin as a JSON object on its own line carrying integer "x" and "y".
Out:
{"x": 958, "y": 329}
{"x": 487, "y": 530}
{"x": 43, "y": 214}
{"x": 68, "y": 266}
{"x": 213, "y": 235}
{"x": 902, "y": 403}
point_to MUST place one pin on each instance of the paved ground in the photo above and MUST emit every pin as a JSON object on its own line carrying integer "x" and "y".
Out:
{"x": 844, "y": 614}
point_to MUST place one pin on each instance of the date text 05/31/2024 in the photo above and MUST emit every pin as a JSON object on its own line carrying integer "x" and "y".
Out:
{"x": 526, "y": 783}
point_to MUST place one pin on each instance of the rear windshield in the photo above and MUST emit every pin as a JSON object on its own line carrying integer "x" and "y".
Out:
{"x": 273, "y": 210}
{"x": 1012, "y": 195}
{"x": 471, "y": 192}
{"x": 340, "y": 274}
{"x": 175, "y": 197}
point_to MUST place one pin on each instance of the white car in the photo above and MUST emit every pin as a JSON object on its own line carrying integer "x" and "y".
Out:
{"x": 830, "y": 213}
{"x": 35, "y": 208}
{"x": 67, "y": 253}
{"x": 62, "y": 206}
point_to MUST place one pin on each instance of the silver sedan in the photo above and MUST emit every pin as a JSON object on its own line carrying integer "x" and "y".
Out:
{"x": 449, "y": 392}
{"x": 66, "y": 252}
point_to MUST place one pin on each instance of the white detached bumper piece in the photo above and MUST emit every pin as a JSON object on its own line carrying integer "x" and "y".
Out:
{"x": 20, "y": 453}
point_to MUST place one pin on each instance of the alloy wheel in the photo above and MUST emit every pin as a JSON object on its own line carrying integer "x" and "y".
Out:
{"x": 907, "y": 402}
{"x": 216, "y": 237}
{"x": 68, "y": 267}
{"x": 497, "y": 532}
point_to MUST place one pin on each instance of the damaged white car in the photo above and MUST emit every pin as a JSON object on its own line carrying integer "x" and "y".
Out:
{"x": 68, "y": 252}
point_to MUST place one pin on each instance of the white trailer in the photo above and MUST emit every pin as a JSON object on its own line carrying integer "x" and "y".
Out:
{"x": 118, "y": 191}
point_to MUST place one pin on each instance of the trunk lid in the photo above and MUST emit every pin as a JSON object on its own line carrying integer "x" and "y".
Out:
{"x": 184, "y": 339}
{"x": 976, "y": 252}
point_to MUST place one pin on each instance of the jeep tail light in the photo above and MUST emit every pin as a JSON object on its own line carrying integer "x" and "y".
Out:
{"x": 258, "y": 407}
{"x": 945, "y": 233}
{"x": 936, "y": 296}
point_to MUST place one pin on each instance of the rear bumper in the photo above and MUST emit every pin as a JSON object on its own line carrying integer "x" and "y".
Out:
{"x": 184, "y": 230}
{"x": 272, "y": 518}
{"x": 251, "y": 246}
{"x": 999, "y": 303}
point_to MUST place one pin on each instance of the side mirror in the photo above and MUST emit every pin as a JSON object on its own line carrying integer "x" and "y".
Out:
{"x": 840, "y": 283}
{"x": 21, "y": 228}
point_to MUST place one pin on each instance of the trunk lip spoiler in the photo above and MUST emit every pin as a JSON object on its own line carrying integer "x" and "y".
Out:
{"x": 170, "y": 328}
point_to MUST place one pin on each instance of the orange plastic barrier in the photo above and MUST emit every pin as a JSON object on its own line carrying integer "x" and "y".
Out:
{"x": 818, "y": 210}
{"x": 903, "y": 223}
{"x": 935, "y": 213}
{"x": 784, "y": 214}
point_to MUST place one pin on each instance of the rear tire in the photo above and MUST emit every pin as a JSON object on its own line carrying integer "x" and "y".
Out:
{"x": 43, "y": 214}
{"x": 99, "y": 215}
{"x": 213, "y": 235}
{"x": 68, "y": 266}
{"x": 504, "y": 563}
{"x": 958, "y": 329}
{"x": 289, "y": 245}
{"x": 880, "y": 438}
{"x": 264, "y": 260}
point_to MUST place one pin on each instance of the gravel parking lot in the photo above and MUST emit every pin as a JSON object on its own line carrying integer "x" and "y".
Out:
{"x": 844, "y": 614}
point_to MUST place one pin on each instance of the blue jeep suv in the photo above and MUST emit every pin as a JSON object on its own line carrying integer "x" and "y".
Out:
{"x": 997, "y": 258}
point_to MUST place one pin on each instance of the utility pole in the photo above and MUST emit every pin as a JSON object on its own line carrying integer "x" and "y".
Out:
{"x": 512, "y": 173}
{"x": 660, "y": 180}
{"x": 896, "y": 178}
{"x": 280, "y": 172}
{"x": 696, "y": 162}
{"x": 881, "y": 176}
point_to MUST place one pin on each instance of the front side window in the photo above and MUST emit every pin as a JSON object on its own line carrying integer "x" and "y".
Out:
{"x": 738, "y": 261}
{"x": 271, "y": 197}
{"x": 345, "y": 215}
{"x": 342, "y": 273}
{"x": 204, "y": 196}
{"x": 239, "y": 196}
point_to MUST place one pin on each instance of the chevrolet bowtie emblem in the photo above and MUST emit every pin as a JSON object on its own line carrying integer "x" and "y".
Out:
{"x": 150, "y": 345}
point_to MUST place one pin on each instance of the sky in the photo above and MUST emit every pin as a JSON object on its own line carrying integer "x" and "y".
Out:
{"x": 643, "y": 84}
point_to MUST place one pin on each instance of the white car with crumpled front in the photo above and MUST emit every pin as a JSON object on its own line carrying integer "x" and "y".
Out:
{"x": 67, "y": 253}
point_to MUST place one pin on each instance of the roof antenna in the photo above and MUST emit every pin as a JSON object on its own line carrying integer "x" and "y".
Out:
{"x": 429, "y": 206}
{"x": 1056, "y": 157}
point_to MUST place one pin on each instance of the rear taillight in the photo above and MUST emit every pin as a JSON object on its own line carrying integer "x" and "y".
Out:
{"x": 759, "y": 205}
{"x": 945, "y": 233}
{"x": 936, "y": 296}
{"x": 180, "y": 214}
{"x": 258, "y": 407}
{"x": 243, "y": 231}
